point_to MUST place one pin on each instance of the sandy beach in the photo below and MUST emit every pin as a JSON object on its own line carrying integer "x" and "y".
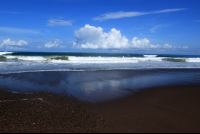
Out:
{"x": 165, "y": 110}
{"x": 171, "y": 109}
{"x": 45, "y": 113}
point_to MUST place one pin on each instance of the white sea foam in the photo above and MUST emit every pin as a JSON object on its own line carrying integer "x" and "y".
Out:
{"x": 86, "y": 60}
{"x": 110, "y": 59}
{"x": 150, "y": 56}
{"x": 31, "y": 58}
{"x": 193, "y": 59}
{"x": 3, "y": 53}
{"x": 10, "y": 57}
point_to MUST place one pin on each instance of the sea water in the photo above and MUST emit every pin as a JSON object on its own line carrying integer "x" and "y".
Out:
{"x": 93, "y": 77}
{"x": 11, "y": 62}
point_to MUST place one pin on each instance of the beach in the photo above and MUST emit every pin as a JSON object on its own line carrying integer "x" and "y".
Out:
{"x": 165, "y": 100}
{"x": 46, "y": 113}
{"x": 159, "y": 110}
{"x": 174, "y": 109}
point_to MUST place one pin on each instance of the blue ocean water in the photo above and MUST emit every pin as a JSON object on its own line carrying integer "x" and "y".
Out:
{"x": 95, "y": 78}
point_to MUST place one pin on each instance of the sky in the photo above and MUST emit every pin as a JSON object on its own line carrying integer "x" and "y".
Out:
{"x": 101, "y": 26}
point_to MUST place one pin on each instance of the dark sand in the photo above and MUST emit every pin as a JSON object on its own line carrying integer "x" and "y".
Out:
{"x": 52, "y": 114}
{"x": 172, "y": 109}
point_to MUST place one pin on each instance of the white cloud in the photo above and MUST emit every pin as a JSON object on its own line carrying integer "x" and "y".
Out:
{"x": 121, "y": 14}
{"x": 22, "y": 42}
{"x": 93, "y": 38}
{"x": 117, "y": 15}
{"x": 168, "y": 10}
{"x": 142, "y": 44}
{"x": 53, "y": 43}
{"x": 90, "y": 37}
{"x": 59, "y": 22}
{"x": 17, "y": 30}
{"x": 8, "y": 44}
{"x": 168, "y": 46}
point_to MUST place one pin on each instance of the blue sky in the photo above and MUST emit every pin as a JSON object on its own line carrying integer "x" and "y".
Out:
{"x": 124, "y": 26}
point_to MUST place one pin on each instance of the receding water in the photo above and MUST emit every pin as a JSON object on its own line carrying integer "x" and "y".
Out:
{"x": 97, "y": 86}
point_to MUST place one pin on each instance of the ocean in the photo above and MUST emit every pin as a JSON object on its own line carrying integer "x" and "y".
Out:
{"x": 95, "y": 77}
{"x": 44, "y": 61}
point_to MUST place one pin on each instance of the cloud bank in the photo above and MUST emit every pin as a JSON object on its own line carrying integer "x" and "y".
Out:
{"x": 90, "y": 37}
{"x": 121, "y": 14}
{"x": 8, "y": 44}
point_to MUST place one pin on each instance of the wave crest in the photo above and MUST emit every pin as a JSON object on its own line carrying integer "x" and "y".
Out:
{"x": 4, "y": 53}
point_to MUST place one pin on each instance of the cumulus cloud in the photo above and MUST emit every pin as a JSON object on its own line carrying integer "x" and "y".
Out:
{"x": 90, "y": 37}
{"x": 17, "y": 30}
{"x": 53, "y": 43}
{"x": 12, "y": 44}
{"x": 121, "y": 14}
{"x": 59, "y": 22}
{"x": 142, "y": 44}
{"x": 94, "y": 38}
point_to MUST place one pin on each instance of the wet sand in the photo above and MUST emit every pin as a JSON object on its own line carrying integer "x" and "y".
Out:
{"x": 170, "y": 109}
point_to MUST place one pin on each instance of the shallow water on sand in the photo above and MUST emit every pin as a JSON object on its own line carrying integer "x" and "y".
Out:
{"x": 97, "y": 86}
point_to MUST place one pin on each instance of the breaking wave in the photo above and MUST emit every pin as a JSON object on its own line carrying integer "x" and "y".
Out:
{"x": 30, "y": 61}
{"x": 4, "y": 53}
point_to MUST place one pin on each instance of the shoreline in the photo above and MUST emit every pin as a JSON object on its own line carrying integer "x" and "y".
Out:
{"x": 163, "y": 109}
